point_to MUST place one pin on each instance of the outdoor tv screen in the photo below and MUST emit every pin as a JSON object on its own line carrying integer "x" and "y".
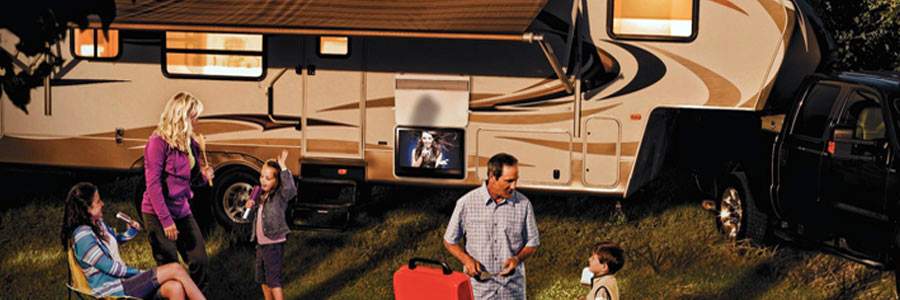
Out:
{"x": 429, "y": 152}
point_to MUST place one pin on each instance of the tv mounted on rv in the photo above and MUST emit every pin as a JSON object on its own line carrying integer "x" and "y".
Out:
{"x": 429, "y": 152}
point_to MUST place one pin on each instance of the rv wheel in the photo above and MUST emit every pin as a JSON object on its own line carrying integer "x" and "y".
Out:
{"x": 737, "y": 215}
{"x": 231, "y": 193}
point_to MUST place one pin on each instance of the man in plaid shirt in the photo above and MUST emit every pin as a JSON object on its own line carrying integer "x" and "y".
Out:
{"x": 500, "y": 231}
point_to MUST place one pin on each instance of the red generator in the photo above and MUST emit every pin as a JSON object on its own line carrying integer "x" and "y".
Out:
{"x": 414, "y": 282}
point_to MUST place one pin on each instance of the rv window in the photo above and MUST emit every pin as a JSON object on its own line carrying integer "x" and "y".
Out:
{"x": 93, "y": 43}
{"x": 674, "y": 20}
{"x": 334, "y": 46}
{"x": 214, "y": 41}
{"x": 212, "y": 55}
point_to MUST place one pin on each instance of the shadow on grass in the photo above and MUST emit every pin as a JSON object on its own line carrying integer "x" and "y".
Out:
{"x": 664, "y": 217}
{"x": 233, "y": 268}
{"x": 755, "y": 282}
{"x": 852, "y": 290}
{"x": 428, "y": 202}
{"x": 670, "y": 190}
{"x": 46, "y": 184}
{"x": 410, "y": 234}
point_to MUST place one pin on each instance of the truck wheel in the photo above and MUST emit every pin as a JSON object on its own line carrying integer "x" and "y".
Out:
{"x": 737, "y": 215}
{"x": 231, "y": 193}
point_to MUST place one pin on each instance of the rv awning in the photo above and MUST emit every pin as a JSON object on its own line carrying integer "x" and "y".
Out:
{"x": 455, "y": 19}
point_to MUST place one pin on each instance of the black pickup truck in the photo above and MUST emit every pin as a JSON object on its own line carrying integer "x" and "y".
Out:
{"x": 828, "y": 173}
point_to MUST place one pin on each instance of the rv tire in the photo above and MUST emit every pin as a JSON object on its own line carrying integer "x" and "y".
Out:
{"x": 231, "y": 191}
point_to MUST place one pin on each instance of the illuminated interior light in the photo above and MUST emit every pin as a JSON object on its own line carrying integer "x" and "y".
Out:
{"x": 86, "y": 50}
{"x": 333, "y": 45}
{"x": 633, "y": 26}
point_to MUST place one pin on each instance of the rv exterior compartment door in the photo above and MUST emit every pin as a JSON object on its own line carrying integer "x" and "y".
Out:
{"x": 545, "y": 157}
{"x": 602, "y": 150}
{"x": 333, "y": 90}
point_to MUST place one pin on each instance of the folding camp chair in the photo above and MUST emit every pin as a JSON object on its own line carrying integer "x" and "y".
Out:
{"x": 78, "y": 283}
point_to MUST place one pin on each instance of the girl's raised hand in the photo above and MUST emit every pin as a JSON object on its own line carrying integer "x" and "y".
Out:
{"x": 283, "y": 158}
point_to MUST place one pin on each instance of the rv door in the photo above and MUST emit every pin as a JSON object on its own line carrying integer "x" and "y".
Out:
{"x": 333, "y": 92}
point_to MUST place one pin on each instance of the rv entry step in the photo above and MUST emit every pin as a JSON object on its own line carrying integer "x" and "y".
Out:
{"x": 324, "y": 203}
{"x": 333, "y": 168}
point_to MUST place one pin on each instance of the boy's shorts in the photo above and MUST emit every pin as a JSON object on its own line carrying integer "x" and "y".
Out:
{"x": 269, "y": 262}
{"x": 143, "y": 285}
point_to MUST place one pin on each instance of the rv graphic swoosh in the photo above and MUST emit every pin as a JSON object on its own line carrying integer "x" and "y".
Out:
{"x": 628, "y": 149}
{"x": 476, "y": 161}
{"x": 518, "y": 118}
{"x": 389, "y": 102}
{"x": 730, "y": 5}
{"x": 650, "y": 70}
{"x": 374, "y": 103}
{"x": 722, "y": 92}
{"x": 775, "y": 11}
{"x": 539, "y": 83}
{"x": 266, "y": 124}
{"x": 67, "y": 82}
{"x": 539, "y": 95}
{"x": 607, "y": 75}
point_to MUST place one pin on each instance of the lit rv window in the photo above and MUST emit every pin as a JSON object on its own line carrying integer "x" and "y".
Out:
{"x": 93, "y": 43}
{"x": 214, "y": 41}
{"x": 197, "y": 54}
{"x": 653, "y": 19}
{"x": 334, "y": 45}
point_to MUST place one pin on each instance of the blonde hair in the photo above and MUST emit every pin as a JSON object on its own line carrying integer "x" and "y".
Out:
{"x": 175, "y": 121}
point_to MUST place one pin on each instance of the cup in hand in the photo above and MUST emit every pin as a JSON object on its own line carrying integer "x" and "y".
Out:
{"x": 122, "y": 216}
{"x": 128, "y": 220}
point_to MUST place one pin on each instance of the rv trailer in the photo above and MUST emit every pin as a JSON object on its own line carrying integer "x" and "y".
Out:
{"x": 594, "y": 97}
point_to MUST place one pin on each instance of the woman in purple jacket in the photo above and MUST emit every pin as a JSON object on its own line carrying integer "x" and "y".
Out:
{"x": 171, "y": 168}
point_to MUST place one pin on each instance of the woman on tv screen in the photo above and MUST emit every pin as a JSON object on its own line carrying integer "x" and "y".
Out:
{"x": 429, "y": 151}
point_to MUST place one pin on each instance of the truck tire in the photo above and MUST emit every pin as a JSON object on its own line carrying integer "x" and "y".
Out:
{"x": 737, "y": 215}
{"x": 231, "y": 191}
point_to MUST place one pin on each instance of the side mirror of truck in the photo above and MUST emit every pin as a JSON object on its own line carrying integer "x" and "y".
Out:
{"x": 841, "y": 143}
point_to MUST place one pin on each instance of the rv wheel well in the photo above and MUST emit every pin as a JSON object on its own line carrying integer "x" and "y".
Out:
{"x": 235, "y": 167}
{"x": 699, "y": 142}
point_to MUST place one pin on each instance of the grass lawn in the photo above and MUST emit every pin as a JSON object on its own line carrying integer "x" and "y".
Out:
{"x": 672, "y": 248}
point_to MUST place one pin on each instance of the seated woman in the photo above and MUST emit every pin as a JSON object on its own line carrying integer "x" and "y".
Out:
{"x": 96, "y": 248}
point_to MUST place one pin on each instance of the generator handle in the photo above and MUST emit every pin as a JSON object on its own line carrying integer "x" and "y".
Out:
{"x": 444, "y": 267}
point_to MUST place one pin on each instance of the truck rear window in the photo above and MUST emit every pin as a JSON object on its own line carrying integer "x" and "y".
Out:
{"x": 815, "y": 109}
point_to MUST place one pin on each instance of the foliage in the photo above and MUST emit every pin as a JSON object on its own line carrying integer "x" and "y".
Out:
{"x": 867, "y": 33}
{"x": 39, "y": 26}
